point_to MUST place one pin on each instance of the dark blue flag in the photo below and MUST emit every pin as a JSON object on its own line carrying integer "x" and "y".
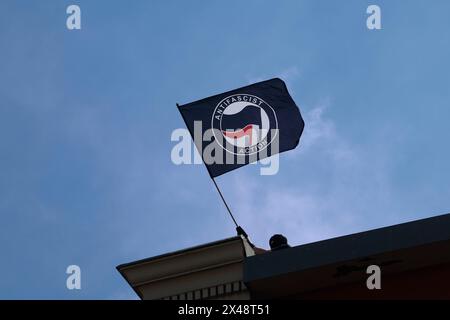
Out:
{"x": 241, "y": 126}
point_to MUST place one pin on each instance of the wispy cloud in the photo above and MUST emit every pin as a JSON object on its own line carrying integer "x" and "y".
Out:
{"x": 336, "y": 191}
{"x": 289, "y": 74}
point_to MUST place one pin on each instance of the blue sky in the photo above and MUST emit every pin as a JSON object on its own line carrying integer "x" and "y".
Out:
{"x": 86, "y": 118}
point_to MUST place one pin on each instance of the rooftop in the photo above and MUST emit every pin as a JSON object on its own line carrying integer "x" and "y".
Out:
{"x": 301, "y": 269}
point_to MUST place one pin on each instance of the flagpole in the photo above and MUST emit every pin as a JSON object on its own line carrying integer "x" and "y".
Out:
{"x": 224, "y": 202}
{"x": 240, "y": 231}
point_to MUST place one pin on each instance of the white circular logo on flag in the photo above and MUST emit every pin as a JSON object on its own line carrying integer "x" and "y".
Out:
{"x": 245, "y": 124}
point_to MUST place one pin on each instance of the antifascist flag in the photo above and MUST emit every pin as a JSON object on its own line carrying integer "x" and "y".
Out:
{"x": 244, "y": 125}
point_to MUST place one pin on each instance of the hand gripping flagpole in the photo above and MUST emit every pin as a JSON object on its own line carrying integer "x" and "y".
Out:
{"x": 240, "y": 231}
